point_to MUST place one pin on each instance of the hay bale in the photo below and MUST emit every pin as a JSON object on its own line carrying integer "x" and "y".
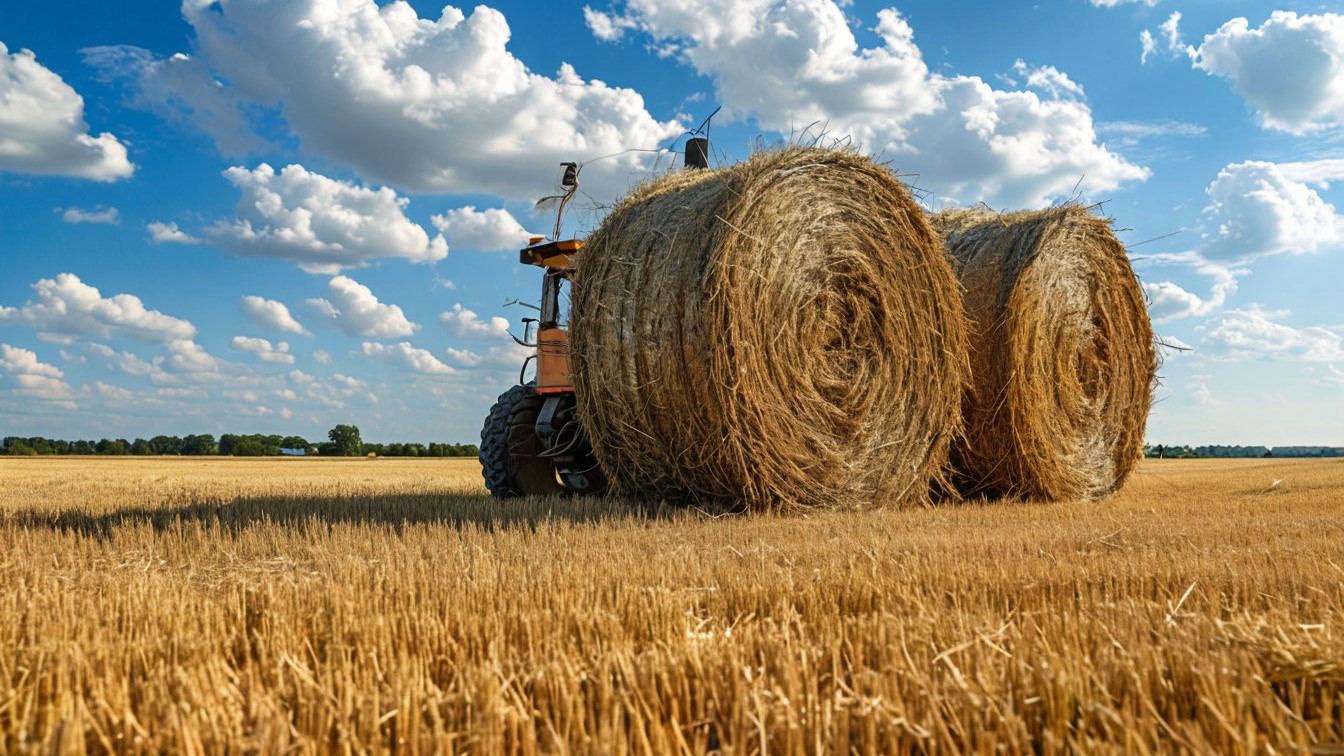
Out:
{"x": 782, "y": 332}
{"x": 1062, "y": 354}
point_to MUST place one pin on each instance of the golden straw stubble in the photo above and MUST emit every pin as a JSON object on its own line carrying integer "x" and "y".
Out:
{"x": 1063, "y": 360}
{"x": 785, "y": 331}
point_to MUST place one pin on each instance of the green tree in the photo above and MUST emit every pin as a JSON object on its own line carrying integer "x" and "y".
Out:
{"x": 141, "y": 447}
{"x": 294, "y": 442}
{"x": 228, "y": 444}
{"x": 347, "y": 441}
{"x": 203, "y": 444}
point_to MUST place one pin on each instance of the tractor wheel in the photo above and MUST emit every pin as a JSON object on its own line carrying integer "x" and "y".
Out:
{"x": 496, "y": 464}
{"x": 535, "y": 474}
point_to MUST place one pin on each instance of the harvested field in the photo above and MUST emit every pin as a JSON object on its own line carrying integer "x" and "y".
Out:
{"x": 185, "y": 605}
{"x": 1063, "y": 358}
{"x": 783, "y": 332}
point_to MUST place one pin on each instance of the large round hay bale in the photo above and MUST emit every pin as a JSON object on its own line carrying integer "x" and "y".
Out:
{"x": 1062, "y": 354}
{"x": 782, "y": 332}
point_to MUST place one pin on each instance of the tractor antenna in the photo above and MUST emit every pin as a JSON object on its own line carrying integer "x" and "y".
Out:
{"x": 568, "y": 186}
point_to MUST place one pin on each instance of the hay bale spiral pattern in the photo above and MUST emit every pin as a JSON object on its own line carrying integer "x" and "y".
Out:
{"x": 1062, "y": 354}
{"x": 782, "y": 332}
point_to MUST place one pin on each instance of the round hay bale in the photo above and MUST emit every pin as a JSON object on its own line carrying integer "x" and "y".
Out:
{"x": 1062, "y": 354}
{"x": 783, "y": 332}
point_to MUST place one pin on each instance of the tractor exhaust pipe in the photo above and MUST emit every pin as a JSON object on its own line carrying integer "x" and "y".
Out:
{"x": 697, "y": 153}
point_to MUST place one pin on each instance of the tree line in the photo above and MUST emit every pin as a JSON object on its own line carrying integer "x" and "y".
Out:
{"x": 342, "y": 441}
{"x": 1173, "y": 451}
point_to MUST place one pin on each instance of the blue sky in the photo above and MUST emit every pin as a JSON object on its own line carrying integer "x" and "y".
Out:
{"x": 265, "y": 216}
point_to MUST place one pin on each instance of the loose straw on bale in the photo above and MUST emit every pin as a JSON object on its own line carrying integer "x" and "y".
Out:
{"x": 783, "y": 332}
{"x": 1062, "y": 354}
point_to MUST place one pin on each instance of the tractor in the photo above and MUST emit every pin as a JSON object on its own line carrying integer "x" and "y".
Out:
{"x": 532, "y": 443}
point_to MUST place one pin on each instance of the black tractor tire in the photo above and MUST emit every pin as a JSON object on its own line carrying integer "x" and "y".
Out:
{"x": 496, "y": 464}
{"x": 510, "y": 455}
{"x": 534, "y": 473}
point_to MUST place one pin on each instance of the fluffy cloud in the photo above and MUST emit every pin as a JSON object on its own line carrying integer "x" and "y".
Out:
{"x": 264, "y": 349}
{"x": 1290, "y": 68}
{"x": 1169, "y": 301}
{"x": 1318, "y": 173}
{"x": 169, "y": 233}
{"x": 1148, "y": 44}
{"x": 1256, "y": 210}
{"x": 24, "y": 376}
{"x": 108, "y": 215}
{"x": 407, "y": 357}
{"x": 67, "y": 309}
{"x": 1171, "y": 40}
{"x": 1253, "y": 332}
{"x": 319, "y": 223}
{"x": 509, "y": 356}
{"x": 271, "y": 315}
{"x": 42, "y": 128}
{"x": 490, "y": 230}
{"x": 466, "y": 324}
{"x": 355, "y": 310}
{"x": 178, "y": 88}
{"x": 395, "y": 96}
{"x": 793, "y": 63}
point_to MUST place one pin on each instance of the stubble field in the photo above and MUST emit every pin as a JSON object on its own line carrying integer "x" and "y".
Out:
{"x": 290, "y": 605}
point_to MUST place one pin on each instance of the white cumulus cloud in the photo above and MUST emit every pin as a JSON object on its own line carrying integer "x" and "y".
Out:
{"x": 179, "y": 88}
{"x": 407, "y": 357}
{"x": 271, "y": 315}
{"x": 1256, "y": 210}
{"x": 23, "y": 375}
{"x": 1253, "y": 332}
{"x": 67, "y": 309}
{"x": 354, "y": 309}
{"x": 489, "y": 230}
{"x": 424, "y": 104}
{"x": 321, "y": 224}
{"x": 264, "y": 349}
{"x": 42, "y": 127}
{"x": 169, "y": 233}
{"x": 464, "y": 323}
{"x": 109, "y": 215}
{"x": 1169, "y": 301}
{"x": 1290, "y": 68}
{"x": 789, "y": 64}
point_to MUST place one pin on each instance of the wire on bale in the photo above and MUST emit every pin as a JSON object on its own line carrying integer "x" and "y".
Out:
{"x": 784, "y": 332}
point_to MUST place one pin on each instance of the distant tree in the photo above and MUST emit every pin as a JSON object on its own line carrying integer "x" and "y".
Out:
{"x": 272, "y": 444}
{"x": 82, "y": 447}
{"x": 228, "y": 444}
{"x": 166, "y": 445}
{"x": 141, "y": 447}
{"x": 293, "y": 442}
{"x": 249, "y": 446}
{"x": 18, "y": 448}
{"x": 203, "y": 444}
{"x": 346, "y": 438}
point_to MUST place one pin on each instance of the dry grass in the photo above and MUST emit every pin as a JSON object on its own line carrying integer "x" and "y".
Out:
{"x": 781, "y": 332}
{"x": 155, "y": 605}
